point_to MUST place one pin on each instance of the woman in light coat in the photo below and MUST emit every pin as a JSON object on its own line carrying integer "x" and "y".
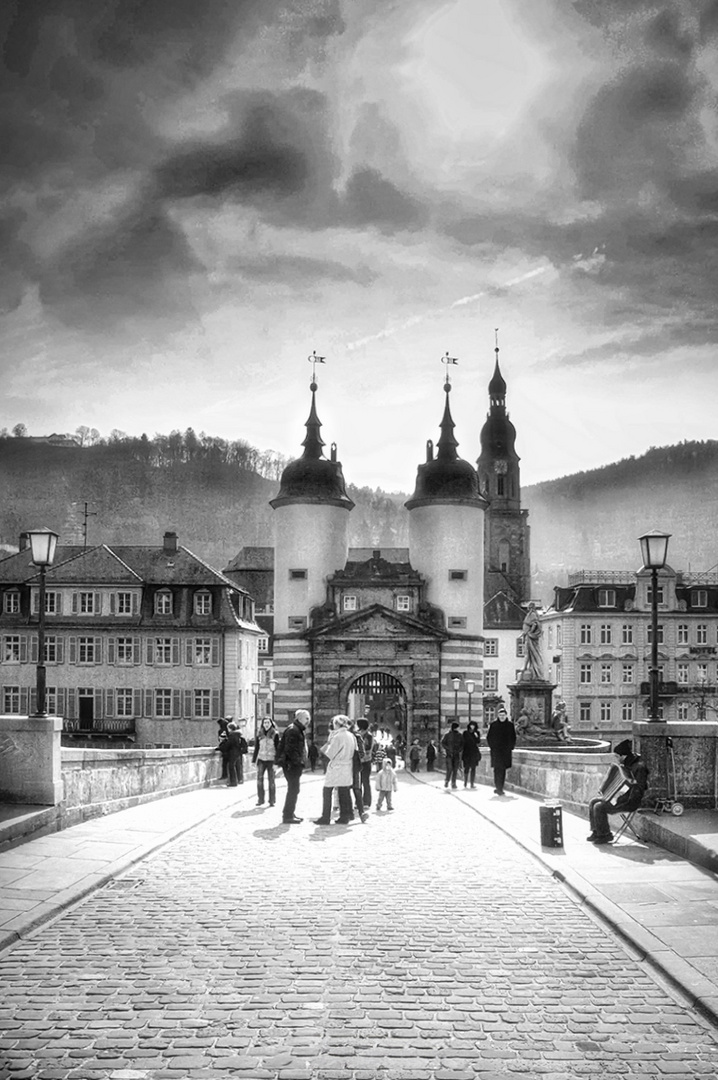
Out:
{"x": 339, "y": 749}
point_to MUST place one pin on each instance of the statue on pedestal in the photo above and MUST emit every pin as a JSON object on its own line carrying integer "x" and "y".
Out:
{"x": 531, "y": 637}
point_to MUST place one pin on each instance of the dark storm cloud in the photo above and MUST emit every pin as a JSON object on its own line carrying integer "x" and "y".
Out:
{"x": 299, "y": 272}
{"x": 134, "y": 267}
{"x": 370, "y": 199}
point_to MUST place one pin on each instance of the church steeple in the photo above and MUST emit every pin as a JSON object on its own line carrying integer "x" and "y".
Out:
{"x": 445, "y": 478}
{"x": 498, "y": 464}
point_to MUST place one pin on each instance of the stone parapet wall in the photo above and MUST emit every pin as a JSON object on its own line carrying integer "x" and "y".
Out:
{"x": 695, "y": 754}
{"x": 30, "y": 759}
{"x": 97, "y": 782}
{"x": 572, "y": 778}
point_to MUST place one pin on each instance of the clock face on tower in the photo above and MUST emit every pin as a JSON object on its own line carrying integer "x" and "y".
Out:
{"x": 501, "y": 466}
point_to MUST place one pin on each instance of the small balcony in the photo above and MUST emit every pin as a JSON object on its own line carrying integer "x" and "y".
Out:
{"x": 106, "y": 728}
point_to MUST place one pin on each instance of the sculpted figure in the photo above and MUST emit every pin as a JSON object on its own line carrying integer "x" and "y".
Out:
{"x": 531, "y": 636}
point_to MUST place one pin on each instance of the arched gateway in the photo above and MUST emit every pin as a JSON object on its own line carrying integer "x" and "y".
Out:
{"x": 380, "y": 697}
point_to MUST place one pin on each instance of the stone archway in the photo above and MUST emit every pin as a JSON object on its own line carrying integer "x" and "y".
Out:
{"x": 384, "y": 696}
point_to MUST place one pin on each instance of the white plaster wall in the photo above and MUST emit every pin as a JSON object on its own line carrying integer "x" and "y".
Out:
{"x": 311, "y": 537}
{"x": 445, "y": 537}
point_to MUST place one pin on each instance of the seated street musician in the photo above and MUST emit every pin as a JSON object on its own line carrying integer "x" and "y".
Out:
{"x": 621, "y": 792}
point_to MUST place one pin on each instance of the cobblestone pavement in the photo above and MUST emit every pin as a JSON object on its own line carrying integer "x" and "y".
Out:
{"x": 424, "y": 945}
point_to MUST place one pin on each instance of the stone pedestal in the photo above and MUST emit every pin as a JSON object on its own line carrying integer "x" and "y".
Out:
{"x": 695, "y": 753}
{"x": 533, "y": 696}
{"x": 30, "y": 759}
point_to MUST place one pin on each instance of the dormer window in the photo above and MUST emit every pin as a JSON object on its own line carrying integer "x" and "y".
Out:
{"x": 606, "y": 597}
{"x": 349, "y": 603}
{"x": 699, "y": 598}
{"x": 12, "y": 602}
{"x": 163, "y": 602}
{"x": 203, "y": 603}
{"x": 403, "y": 603}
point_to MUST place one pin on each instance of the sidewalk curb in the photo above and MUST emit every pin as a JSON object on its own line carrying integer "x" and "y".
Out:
{"x": 695, "y": 988}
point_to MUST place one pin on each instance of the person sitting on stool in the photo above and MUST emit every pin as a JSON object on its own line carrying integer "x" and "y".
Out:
{"x": 628, "y": 801}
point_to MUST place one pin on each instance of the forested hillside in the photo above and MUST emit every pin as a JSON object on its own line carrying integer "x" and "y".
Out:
{"x": 216, "y": 496}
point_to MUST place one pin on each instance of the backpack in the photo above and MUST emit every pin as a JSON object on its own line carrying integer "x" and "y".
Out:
{"x": 366, "y": 748}
{"x": 280, "y": 754}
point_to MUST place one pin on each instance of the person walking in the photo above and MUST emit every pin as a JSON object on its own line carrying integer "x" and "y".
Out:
{"x": 470, "y": 753}
{"x": 264, "y": 757}
{"x": 222, "y": 744}
{"x": 430, "y": 755}
{"x": 414, "y": 756}
{"x": 237, "y": 747}
{"x": 386, "y": 784}
{"x": 501, "y": 738}
{"x": 293, "y": 749}
{"x": 366, "y": 749}
{"x": 453, "y": 744}
{"x": 339, "y": 751}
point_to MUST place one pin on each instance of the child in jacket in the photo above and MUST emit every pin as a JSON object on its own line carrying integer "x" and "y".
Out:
{"x": 385, "y": 784}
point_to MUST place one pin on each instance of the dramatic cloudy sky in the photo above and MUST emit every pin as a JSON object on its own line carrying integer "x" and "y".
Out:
{"x": 199, "y": 193}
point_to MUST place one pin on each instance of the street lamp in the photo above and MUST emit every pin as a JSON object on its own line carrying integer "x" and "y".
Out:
{"x": 43, "y": 543}
{"x": 256, "y": 687}
{"x": 456, "y": 683}
{"x": 272, "y": 690}
{"x": 470, "y": 687}
{"x": 654, "y": 549}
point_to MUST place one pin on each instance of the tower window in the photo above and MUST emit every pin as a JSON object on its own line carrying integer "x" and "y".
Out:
{"x": 403, "y": 603}
{"x": 458, "y": 575}
{"x": 297, "y": 622}
{"x": 500, "y": 485}
{"x": 457, "y": 622}
{"x": 349, "y": 603}
{"x": 298, "y": 575}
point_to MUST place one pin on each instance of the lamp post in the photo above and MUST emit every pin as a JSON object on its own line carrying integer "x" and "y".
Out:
{"x": 272, "y": 690}
{"x": 456, "y": 683}
{"x": 43, "y": 543}
{"x": 470, "y": 687}
{"x": 654, "y": 549}
{"x": 256, "y": 687}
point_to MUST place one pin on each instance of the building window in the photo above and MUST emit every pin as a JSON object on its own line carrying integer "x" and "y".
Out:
{"x": 584, "y": 712}
{"x": 11, "y": 649}
{"x": 403, "y": 603}
{"x": 585, "y": 636}
{"x": 203, "y": 651}
{"x": 458, "y": 575}
{"x": 297, "y": 575}
{"x": 606, "y": 597}
{"x": 489, "y": 714}
{"x": 86, "y": 650}
{"x": 124, "y": 603}
{"x": 606, "y": 634}
{"x": 627, "y": 712}
{"x": 649, "y": 634}
{"x": 585, "y": 673}
{"x": 263, "y": 643}
{"x": 626, "y": 634}
{"x": 702, "y": 673}
{"x": 682, "y": 633}
{"x": 163, "y": 650}
{"x": 457, "y": 622}
{"x": 349, "y": 603}
{"x": 12, "y": 603}
{"x": 87, "y": 603}
{"x": 123, "y": 702}
{"x": 606, "y": 673}
{"x": 682, "y": 710}
{"x": 52, "y": 603}
{"x": 606, "y": 711}
{"x": 659, "y": 595}
{"x": 125, "y": 650}
{"x": 51, "y": 649}
{"x": 627, "y": 673}
{"x": 297, "y": 622}
{"x": 491, "y": 680}
{"x": 11, "y": 699}
{"x": 699, "y": 598}
{"x": 701, "y": 634}
{"x": 549, "y": 636}
{"x": 203, "y": 603}
{"x": 559, "y": 637}
{"x": 202, "y": 704}
{"x": 163, "y": 602}
{"x": 682, "y": 674}
{"x": 491, "y": 646}
{"x": 163, "y": 702}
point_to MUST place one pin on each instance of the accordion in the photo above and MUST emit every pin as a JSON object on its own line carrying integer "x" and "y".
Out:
{"x": 617, "y": 783}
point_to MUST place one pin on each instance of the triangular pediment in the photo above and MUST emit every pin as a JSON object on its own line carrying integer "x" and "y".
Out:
{"x": 502, "y": 612}
{"x": 377, "y": 621}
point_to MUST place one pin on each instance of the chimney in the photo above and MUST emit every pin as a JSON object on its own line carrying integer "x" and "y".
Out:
{"x": 24, "y": 541}
{"x": 169, "y": 545}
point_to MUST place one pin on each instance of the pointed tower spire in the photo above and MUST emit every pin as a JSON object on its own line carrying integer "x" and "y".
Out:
{"x": 313, "y": 442}
{"x": 446, "y": 446}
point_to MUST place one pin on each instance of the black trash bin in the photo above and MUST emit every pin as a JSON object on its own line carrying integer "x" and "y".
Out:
{"x": 551, "y": 818}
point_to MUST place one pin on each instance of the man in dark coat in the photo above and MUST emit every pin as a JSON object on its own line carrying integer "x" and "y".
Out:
{"x": 453, "y": 744}
{"x": 237, "y": 747}
{"x": 294, "y": 745}
{"x": 501, "y": 738}
{"x": 629, "y": 800}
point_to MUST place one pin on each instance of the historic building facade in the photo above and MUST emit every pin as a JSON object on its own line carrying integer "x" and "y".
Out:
{"x": 597, "y": 647}
{"x": 143, "y": 643}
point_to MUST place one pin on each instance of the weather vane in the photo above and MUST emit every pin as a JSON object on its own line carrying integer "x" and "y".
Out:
{"x": 446, "y": 359}
{"x": 496, "y": 338}
{"x": 314, "y": 360}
